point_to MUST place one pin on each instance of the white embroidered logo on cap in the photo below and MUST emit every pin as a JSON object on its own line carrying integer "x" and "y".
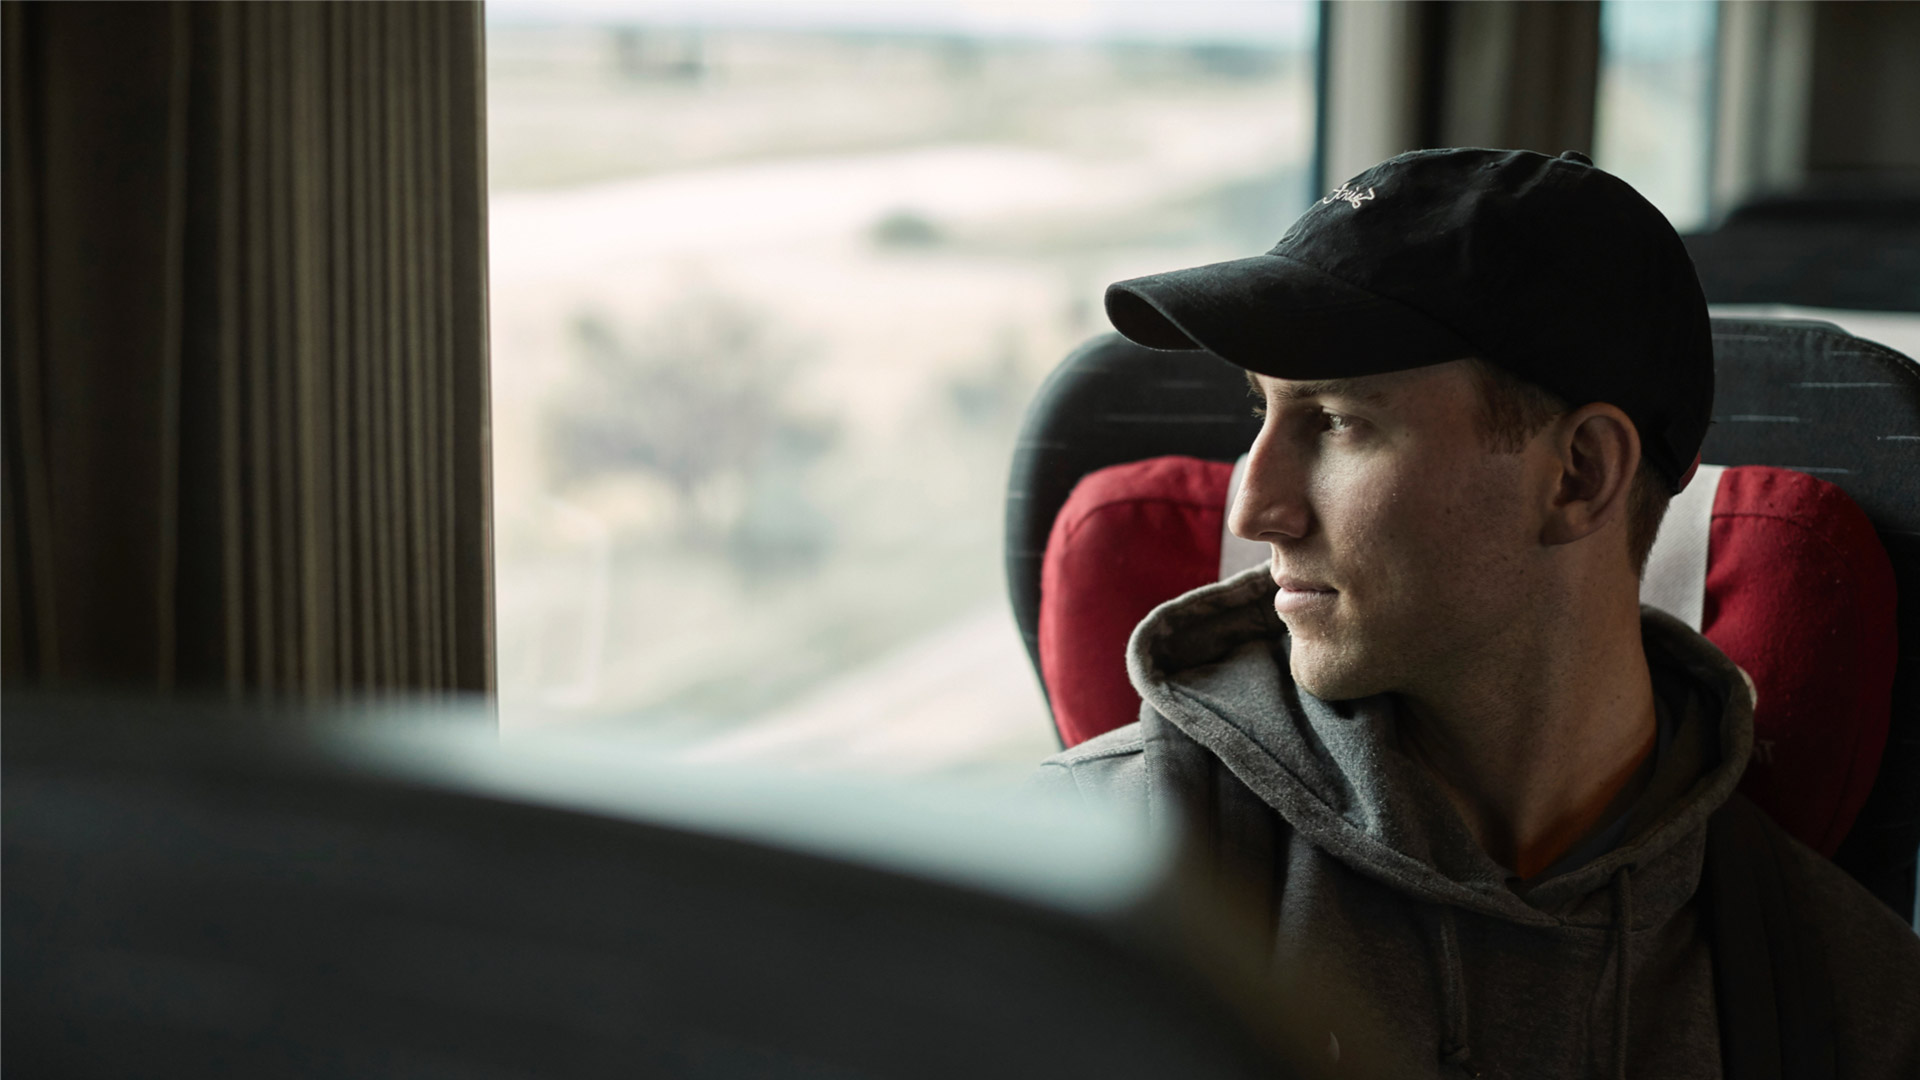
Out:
{"x": 1350, "y": 196}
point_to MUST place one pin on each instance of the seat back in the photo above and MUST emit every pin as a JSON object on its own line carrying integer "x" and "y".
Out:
{"x": 1853, "y": 250}
{"x": 1109, "y": 402}
{"x": 1810, "y": 397}
{"x": 1797, "y": 395}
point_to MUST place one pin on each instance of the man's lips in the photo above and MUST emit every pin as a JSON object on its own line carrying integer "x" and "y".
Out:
{"x": 1300, "y": 594}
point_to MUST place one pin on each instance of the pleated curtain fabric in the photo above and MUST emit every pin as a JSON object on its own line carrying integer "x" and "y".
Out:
{"x": 1510, "y": 73}
{"x": 245, "y": 396}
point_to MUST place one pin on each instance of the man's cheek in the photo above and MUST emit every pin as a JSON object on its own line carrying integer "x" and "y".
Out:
{"x": 1385, "y": 555}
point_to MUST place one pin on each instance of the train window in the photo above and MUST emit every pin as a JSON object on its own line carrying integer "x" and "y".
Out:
{"x": 771, "y": 285}
{"x": 1654, "y": 124}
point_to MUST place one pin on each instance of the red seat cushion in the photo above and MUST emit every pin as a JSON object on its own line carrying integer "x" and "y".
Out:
{"x": 1128, "y": 538}
{"x": 1799, "y": 593}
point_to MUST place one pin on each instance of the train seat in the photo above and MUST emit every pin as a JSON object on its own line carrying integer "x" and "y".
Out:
{"x": 1848, "y": 249}
{"x": 1789, "y": 559}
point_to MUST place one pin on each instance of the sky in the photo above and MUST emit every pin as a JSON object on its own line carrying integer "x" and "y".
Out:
{"x": 1270, "y": 23}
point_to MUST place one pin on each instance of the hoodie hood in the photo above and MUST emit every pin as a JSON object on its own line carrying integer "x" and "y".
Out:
{"x": 1213, "y": 663}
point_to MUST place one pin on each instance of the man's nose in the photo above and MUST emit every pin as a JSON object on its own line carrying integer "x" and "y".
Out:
{"x": 1272, "y": 505}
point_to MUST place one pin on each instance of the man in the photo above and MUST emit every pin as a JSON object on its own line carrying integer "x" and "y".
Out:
{"x": 1437, "y": 737}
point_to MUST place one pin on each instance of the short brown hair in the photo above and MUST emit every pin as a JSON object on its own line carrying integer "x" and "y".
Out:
{"x": 1513, "y": 411}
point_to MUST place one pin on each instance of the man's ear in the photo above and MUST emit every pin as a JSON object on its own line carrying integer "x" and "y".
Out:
{"x": 1599, "y": 451}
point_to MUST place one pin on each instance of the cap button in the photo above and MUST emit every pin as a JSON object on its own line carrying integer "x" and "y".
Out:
{"x": 1576, "y": 157}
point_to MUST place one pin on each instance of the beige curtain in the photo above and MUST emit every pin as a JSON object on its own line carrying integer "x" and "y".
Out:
{"x": 1408, "y": 74}
{"x": 245, "y": 397}
{"x": 1512, "y": 73}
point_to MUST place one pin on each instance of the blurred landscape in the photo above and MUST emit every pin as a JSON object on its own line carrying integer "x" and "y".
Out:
{"x": 768, "y": 300}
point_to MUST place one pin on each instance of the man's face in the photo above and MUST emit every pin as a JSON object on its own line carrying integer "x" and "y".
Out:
{"x": 1404, "y": 548}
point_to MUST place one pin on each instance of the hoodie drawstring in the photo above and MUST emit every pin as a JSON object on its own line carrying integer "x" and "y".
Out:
{"x": 1454, "y": 1050}
{"x": 1622, "y": 922}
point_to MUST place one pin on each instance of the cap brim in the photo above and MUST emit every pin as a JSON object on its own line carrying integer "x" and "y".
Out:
{"x": 1279, "y": 316}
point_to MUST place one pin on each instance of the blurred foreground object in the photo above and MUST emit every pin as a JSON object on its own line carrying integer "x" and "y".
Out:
{"x": 192, "y": 894}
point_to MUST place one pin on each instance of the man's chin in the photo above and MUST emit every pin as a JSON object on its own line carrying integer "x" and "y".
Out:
{"x": 1332, "y": 674}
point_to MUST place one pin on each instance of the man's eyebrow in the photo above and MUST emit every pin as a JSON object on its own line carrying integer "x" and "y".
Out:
{"x": 1313, "y": 388}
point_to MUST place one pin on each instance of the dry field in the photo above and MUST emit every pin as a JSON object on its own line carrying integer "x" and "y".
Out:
{"x": 766, "y": 309}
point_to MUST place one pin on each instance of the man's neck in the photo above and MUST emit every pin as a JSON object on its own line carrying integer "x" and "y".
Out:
{"x": 1534, "y": 760}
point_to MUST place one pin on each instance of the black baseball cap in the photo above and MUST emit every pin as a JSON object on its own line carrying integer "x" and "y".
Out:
{"x": 1547, "y": 267}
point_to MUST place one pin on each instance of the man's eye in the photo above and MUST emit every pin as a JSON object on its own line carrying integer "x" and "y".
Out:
{"x": 1335, "y": 422}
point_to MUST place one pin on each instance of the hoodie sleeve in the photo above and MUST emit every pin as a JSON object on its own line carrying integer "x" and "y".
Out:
{"x": 1108, "y": 769}
{"x": 1873, "y": 961}
{"x": 1054, "y": 779}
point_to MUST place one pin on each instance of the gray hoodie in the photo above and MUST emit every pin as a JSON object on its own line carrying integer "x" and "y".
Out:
{"x": 1417, "y": 952}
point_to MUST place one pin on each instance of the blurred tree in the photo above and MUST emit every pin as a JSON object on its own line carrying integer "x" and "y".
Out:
{"x": 990, "y": 396}
{"x": 701, "y": 400}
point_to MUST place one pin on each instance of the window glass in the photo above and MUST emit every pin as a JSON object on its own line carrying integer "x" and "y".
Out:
{"x": 771, "y": 286}
{"x": 1655, "y": 117}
